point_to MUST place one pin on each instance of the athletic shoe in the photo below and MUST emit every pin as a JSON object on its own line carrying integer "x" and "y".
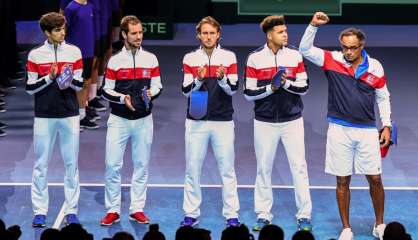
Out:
{"x": 2, "y": 109}
{"x": 95, "y": 103}
{"x": 304, "y": 224}
{"x": 8, "y": 85}
{"x": 261, "y": 222}
{"x": 232, "y": 222}
{"x": 2, "y": 102}
{"x": 87, "y": 123}
{"x": 71, "y": 218}
{"x": 189, "y": 221}
{"x": 92, "y": 114}
{"x": 110, "y": 219}
{"x": 2, "y": 93}
{"x": 379, "y": 230}
{"x": 139, "y": 217}
{"x": 3, "y": 125}
{"x": 346, "y": 234}
{"x": 2, "y": 133}
{"x": 39, "y": 220}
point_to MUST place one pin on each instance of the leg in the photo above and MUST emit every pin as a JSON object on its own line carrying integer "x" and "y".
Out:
{"x": 223, "y": 136}
{"x": 266, "y": 138}
{"x": 116, "y": 139}
{"x": 44, "y": 134}
{"x": 142, "y": 134}
{"x": 69, "y": 134}
{"x": 293, "y": 139}
{"x": 343, "y": 199}
{"x": 196, "y": 141}
{"x": 377, "y": 194}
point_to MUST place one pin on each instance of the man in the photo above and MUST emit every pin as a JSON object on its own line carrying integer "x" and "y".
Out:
{"x": 132, "y": 77}
{"x": 210, "y": 70}
{"x": 278, "y": 116}
{"x": 356, "y": 82}
{"x": 56, "y": 112}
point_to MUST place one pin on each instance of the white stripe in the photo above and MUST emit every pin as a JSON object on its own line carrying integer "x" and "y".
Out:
{"x": 59, "y": 218}
{"x": 156, "y": 185}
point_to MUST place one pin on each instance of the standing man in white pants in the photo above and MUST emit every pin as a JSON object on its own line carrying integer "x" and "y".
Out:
{"x": 355, "y": 83}
{"x": 132, "y": 82}
{"x": 56, "y": 113}
{"x": 210, "y": 70}
{"x": 278, "y": 116}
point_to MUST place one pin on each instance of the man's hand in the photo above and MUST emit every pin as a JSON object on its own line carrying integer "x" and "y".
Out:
{"x": 220, "y": 72}
{"x": 319, "y": 18}
{"x": 53, "y": 72}
{"x": 128, "y": 102}
{"x": 201, "y": 72}
{"x": 385, "y": 137}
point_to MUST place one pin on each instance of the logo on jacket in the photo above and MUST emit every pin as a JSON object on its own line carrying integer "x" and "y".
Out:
{"x": 146, "y": 73}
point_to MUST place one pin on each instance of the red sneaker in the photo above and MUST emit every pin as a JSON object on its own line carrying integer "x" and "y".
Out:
{"x": 139, "y": 217}
{"x": 110, "y": 219}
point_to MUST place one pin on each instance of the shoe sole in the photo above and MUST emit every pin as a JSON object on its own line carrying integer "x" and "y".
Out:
{"x": 91, "y": 128}
{"x": 195, "y": 224}
{"x": 38, "y": 225}
{"x": 100, "y": 109}
{"x": 104, "y": 224}
{"x": 135, "y": 220}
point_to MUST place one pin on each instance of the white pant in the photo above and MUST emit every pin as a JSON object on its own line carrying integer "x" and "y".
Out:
{"x": 197, "y": 136}
{"x": 45, "y": 131}
{"x": 266, "y": 137}
{"x": 348, "y": 146}
{"x": 118, "y": 133}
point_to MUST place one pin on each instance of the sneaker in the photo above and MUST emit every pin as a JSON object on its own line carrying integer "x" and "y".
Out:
{"x": 232, "y": 222}
{"x": 87, "y": 123}
{"x": 95, "y": 103}
{"x": 71, "y": 218}
{"x": 304, "y": 224}
{"x": 3, "y": 125}
{"x": 346, "y": 234}
{"x": 379, "y": 230}
{"x": 92, "y": 114}
{"x": 110, "y": 219}
{"x": 99, "y": 93}
{"x": 261, "y": 222}
{"x": 139, "y": 217}
{"x": 8, "y": 85}
{"x": 2, "y": 133}
{"x": 189, "y": 221}
{"x": 2, "y": 102}
{"x": 39, "y": 220}
{"x": 2, "y": 109}
{"x": 2, "y": 93}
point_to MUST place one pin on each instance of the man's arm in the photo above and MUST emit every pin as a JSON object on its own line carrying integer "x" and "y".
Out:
{"x": 229, "y": 81}
{"x": 156, "y": 85}
{"x": 301, "y": 84}
{"x": 383, "y": 103}
{"x": 251, "y": 91}
{"x": 33, "y": 83}
{"x": 190, "y": 81}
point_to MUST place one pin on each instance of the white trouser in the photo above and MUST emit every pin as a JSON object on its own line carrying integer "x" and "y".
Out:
{"x": 197, "y": 136}
{"x": 266, "y": 138}
{"x": 119, "y": 130}
{"x": 45, "y": 131}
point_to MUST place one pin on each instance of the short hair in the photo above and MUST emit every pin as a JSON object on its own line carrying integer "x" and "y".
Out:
{"x": 51, "y": 20}
{"x": 270, "y": 22}
{"x": 209, "y": 20}
{"x": 130, "y": 19}
{"x": 271, "y": 231}
{"x": 361, "y": 36}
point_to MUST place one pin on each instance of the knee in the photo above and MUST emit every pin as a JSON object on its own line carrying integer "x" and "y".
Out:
{"x": 343, "y": 183}
{"x": 375, "y": 180}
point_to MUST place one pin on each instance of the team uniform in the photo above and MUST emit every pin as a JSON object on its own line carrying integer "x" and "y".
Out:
{"x": 278, "y": 116}
{"x": 128, "y": 74}
{"x": 56, "y": 113}
{"x": 216, "y": 126}
{"x": 352, "y": 138}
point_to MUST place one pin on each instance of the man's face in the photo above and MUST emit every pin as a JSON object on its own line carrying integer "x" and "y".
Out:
{"x": 134, "y": 36}
{"x": 351, "y": 47}
{"x": 57, "y": 35}
{"x": 208, "y": 36}
{"x": 278, "y": 35}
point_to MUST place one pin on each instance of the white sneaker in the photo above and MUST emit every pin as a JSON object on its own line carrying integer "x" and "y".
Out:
{"x": 379, "y": 230}
{"x": 346, "y": 234}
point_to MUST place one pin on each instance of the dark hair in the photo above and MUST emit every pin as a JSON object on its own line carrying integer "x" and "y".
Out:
{"x": 270, "y": 22}
{"x": 154, "y": 233}
{"x": 303, "y": 235}
{"x": 236, "y": 233}
{"x": 130, "y": 19}
{"x": 209, "y": 20}
{"x": 51, "y": 234}
{"x": 123, "y": 236}
{"x": 51, "y": 20}
{"x": 395, "y": 231}
{"x": 361, "y": 36}
{"x": 270, "y": 232}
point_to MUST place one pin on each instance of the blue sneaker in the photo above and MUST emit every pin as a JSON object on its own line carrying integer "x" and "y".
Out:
{"x": 189, "y": 221}
{"x": 261, "y": 222}
{"x": 232, "y": 222}
{"x": 71, "y": 218}
{"x": 39, "y": 220}
{"x": 304, "y": 224}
